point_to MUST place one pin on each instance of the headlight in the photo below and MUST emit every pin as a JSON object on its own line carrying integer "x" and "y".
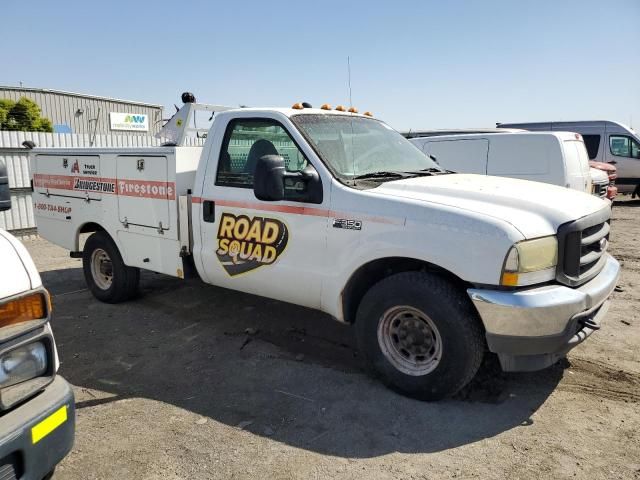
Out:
{"x": 23, "y": 309}
{"x": 22, "y": 364}
{"x": 530, "y": 262}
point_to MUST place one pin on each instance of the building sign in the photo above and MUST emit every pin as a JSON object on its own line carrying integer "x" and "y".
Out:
{"x": 129, "y": 121}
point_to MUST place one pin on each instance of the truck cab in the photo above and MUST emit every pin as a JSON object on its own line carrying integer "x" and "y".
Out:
{"x": 336, "y": 211}
{"x": 36, "y": 405}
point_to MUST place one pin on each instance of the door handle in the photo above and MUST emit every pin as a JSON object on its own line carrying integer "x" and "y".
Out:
{"x": 209, "y": 211}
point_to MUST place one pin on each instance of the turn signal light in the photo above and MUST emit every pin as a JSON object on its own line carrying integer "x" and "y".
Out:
{"x": 353, "y": 110}
{"x": 340, "y": 108}
{"x": 325, "y": 106}
{"x": 509, "y": 279}
{"x": 29, "y": 307}
{"x": 297, "y": 106}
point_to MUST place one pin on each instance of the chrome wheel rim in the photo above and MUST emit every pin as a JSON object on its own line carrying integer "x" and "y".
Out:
{"x": 101, "y": 269}
{"x": 410, "y": 340}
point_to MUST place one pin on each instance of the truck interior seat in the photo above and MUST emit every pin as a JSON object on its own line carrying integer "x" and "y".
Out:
{"x": 259, "y": 149}
{"x": 225, "y": 162}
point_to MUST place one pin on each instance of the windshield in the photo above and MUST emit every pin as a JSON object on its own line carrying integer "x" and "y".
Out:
{"x": 355, "y": 146}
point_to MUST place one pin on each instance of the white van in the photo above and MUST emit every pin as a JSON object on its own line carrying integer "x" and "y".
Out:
{"x": 558, "y": 158}
{"x": 606, "y": 141}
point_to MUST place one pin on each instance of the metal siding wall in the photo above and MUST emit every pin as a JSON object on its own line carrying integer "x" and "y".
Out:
{"x": 21, "y": 214}
{"x": 61, "y": 108}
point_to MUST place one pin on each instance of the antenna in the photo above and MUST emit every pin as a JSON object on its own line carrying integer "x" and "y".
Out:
{"x": 353, "y": 156}
{"x": 349, "y": 77}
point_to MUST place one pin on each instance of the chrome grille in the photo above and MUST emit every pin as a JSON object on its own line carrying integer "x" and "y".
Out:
{"x": 600, "y": 189}
{"x": 10, "y": 467}
{"x": 593, "y": 245}
{"x": 582, "y": 246}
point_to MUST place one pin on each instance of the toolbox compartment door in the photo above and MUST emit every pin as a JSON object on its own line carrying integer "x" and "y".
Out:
{"x": 68, "y": 175}
{"x": 144, "y": 193}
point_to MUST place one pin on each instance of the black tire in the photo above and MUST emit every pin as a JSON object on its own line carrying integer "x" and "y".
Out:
{"x": 124, "y": 280}
{"x": 458, "y": 331}
{"x": 49, "y": 475}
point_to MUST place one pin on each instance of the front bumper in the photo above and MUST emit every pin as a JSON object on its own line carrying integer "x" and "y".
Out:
{"x": 532, "y": 328}
{"x": 36, "y": 435}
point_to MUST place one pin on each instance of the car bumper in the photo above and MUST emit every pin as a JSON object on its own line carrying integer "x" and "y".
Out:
{"x": 532, "y": 328}
{"x": 36, "y": 435}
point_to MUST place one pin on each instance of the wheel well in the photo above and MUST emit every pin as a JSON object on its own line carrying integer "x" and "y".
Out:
{"x": 88, "y": 228}
{"x": 371, "y": 273}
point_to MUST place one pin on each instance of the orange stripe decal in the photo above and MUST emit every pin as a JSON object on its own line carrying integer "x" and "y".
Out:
{"x": 112, "y": 186}
{"x": 316, "y": 212}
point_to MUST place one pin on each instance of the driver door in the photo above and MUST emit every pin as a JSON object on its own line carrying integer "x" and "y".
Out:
{"x": 625, "y": 151}
{"x": 274, "y": 249}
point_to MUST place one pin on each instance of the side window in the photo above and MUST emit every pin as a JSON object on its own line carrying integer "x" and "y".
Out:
{"x": 592, "y": 142}
{"x": 635, "y": 149}
{"x": 245, "y": 142}
{"x": 620, "y": 146}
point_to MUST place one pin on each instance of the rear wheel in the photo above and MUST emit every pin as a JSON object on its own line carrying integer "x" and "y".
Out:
{"x": 108, "y": 278}
{"x": 420, "y": 334}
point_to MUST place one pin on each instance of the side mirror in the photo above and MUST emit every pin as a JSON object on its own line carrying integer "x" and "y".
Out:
{"x": 5, "y": 194}
{"x": 271, "y": 180}
{"x": 268, "y": 178}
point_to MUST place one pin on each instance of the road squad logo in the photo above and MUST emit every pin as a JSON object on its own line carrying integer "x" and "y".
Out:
{"x": 245, "y": 243}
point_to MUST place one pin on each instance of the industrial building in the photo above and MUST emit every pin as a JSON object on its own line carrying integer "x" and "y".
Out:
{"x": 78, "y": 120}
{"x": 90, "y": 114}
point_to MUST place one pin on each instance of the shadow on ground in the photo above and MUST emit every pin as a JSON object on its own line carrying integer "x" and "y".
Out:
{"x": 626, "y": 202}
{"x": 294, "y": 377}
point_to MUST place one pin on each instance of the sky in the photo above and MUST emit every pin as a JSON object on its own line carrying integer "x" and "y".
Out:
{"x": 416, "y": 65}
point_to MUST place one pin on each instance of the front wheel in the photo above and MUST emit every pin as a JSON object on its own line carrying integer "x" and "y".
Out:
{"x": 106, "y": 274}
{"x": 420, "y": 334}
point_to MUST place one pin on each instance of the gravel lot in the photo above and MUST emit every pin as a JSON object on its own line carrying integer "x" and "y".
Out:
{"x": 191, "y": 381}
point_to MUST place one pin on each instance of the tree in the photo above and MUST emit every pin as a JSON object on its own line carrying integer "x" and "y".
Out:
{"x": 5, "y": 106}
{"x": 23, "y": 115}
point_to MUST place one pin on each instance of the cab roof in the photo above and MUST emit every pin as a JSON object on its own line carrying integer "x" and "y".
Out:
{"x": 289, "y": 112}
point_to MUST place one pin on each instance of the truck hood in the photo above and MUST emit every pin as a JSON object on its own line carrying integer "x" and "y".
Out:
{"x": 535, "y": 209}
{"x": 607, "y": 167}
{"x": 19, "y": 274}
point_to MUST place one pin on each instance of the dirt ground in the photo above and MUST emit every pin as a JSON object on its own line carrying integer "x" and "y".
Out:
{"x": 191, "y": 381}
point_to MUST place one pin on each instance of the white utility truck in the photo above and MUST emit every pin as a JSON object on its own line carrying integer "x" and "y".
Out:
{"x": 338, "y": 212}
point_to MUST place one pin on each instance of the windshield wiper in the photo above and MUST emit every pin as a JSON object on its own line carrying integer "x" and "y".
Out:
{"x": 381, "y": 174}
{"x": 428, "y": 171}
